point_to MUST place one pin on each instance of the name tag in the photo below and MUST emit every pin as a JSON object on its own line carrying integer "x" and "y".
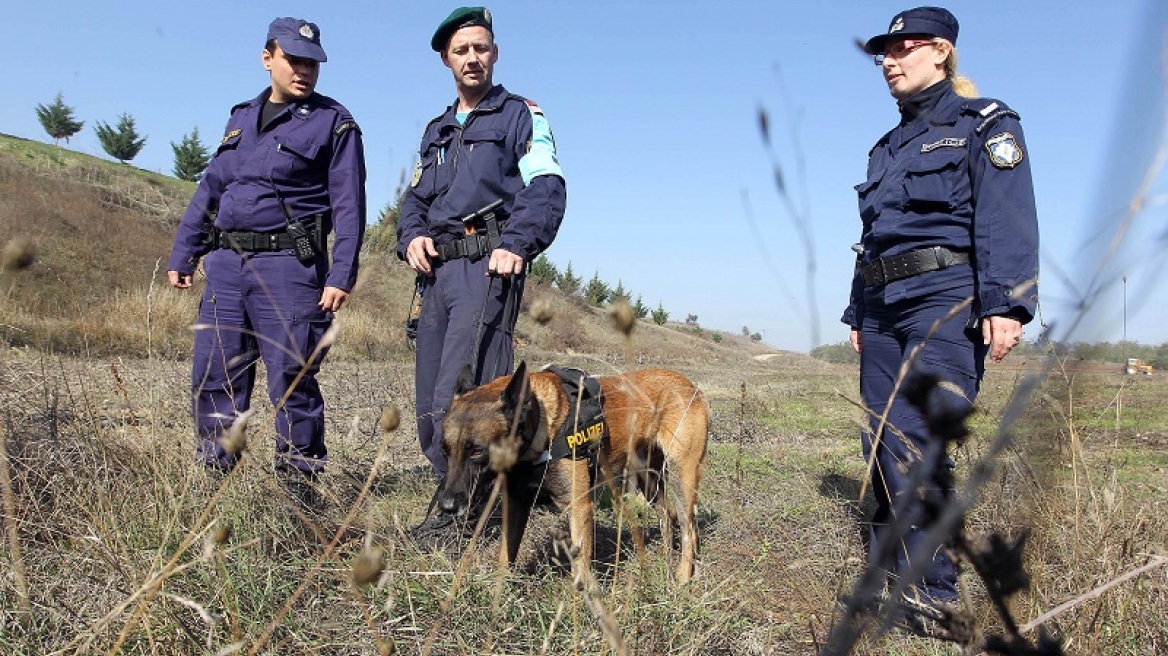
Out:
{"x": 948, "y": 142}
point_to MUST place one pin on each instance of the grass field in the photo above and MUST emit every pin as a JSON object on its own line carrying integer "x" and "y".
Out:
{"x": 116, "y": 544}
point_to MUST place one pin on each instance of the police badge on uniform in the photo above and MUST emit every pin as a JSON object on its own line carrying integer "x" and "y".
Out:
{"x": 306, "y": 32}
{"x": 1005, "y": 153}
{"x": 417, "y": 175}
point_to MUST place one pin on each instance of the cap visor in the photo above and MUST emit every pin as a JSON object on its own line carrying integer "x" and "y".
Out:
{"x": 304, "y": 49}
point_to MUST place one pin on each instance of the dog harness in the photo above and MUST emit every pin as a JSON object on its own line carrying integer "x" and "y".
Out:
{"x": 585, "y": 430}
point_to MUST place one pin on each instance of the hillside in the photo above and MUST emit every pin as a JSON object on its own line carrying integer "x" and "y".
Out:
{"x": 103, "y": 230}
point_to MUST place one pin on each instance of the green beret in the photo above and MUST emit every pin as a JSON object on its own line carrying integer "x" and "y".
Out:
{"x": 458, "y": 19}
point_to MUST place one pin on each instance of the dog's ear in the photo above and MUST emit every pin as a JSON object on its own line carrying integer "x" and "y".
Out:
{"x": 515, "y": 386}
{"x": 465, "y": 381}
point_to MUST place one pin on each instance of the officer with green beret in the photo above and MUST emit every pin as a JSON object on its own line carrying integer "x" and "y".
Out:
{"x": 489, "y": 145}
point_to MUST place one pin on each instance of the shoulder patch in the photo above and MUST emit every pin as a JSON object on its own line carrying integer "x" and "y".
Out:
{"x": 1004, "y": 150}
{"x": 345, "y": 126}
{"x": 230, "y": 135}
{"x": 532, "y": 106}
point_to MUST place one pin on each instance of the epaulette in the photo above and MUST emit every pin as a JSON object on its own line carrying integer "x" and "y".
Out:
{"x": 239, "y": 106}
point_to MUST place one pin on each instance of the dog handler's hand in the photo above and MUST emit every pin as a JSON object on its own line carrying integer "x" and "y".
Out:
{"x": 857, "y": 341}
{"x": 179, "y": 280}
{"x": 333, "y": 299}
{"x": 1001, "y": 334}
{"x": 418, "y": 254}
{"x": 504, "y": 263}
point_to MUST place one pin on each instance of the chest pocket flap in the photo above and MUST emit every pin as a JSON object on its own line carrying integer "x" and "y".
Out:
{"x": 866, "y": 196}
{"x": 937, "y": 178}
{"x": 477, "y": 135}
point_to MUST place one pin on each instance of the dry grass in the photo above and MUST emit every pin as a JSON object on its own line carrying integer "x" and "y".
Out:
{"x": 105, "y": 498}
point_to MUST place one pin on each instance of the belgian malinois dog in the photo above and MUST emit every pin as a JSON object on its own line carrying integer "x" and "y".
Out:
{"x": 657, "y": 422}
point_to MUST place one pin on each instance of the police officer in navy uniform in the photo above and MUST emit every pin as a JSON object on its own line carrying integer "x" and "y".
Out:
{"x": 488, "y": 145}
{"x": 289, "y": 170}
{"x": 948, "y": 214}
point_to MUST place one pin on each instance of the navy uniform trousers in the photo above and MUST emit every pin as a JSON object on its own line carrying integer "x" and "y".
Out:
{"x": 261, "y": 306}
{"x": 889, "y": 334}
{"x": 455, "y": 301}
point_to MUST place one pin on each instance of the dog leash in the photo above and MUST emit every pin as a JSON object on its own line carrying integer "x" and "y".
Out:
{"x": 506, "y": 321}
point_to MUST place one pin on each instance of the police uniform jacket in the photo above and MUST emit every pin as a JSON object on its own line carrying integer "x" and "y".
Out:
{"x": 959, "y": 178}
{"x": 504, "y": 149}
{"x": 311, "y": 153}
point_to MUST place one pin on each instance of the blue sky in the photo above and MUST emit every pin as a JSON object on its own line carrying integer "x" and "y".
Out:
{"x": 654, "y": 107}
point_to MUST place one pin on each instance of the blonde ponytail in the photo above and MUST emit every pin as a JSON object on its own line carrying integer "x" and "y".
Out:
{"x": 962, "y": 85}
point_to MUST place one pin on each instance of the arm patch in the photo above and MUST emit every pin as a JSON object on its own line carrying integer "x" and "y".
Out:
{"x": 345, "y": 126}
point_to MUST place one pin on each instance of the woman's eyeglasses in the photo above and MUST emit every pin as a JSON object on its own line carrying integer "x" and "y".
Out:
{"x": 901, "y": 49}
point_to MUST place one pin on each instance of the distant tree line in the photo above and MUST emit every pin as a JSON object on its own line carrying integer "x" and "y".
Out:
{"x": 122, "y": 141}
{"x": 595, "y": 292}
{"x": 1119, "y": 352}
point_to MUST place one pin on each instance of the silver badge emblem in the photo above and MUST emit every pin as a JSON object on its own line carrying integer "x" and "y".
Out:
{"x": 486, "y": 14}
{"x": 1005, "y": 153}
{"x": 897, "y": 25}
{"x": 306, "y": 32}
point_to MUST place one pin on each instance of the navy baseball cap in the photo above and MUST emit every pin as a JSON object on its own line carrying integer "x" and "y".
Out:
{"x": 298, "y": 38}
{"x": 922, "y": 21}
{"x": 458, "y": 19}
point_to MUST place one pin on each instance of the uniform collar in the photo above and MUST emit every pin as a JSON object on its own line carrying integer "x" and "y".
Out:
{"x": 924, "y": 104}
{"x": 491, "y": 102}
{"x": 301, "y": 109}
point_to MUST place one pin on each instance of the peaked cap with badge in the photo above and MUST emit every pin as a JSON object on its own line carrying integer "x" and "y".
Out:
{"x": 298, "y": 38}
{"x": 458, "y": 19}
{"x": 922, "y": 21}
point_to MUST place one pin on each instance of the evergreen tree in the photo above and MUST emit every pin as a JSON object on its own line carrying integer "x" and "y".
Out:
{"x": 382, "y": 236}
{"x": 191, "y": 157}
{"x": 57, "y": 120}
{"x": 660, "y": 316}
{"x": 597, "y": 291}
{"x": 543, "y": 272}
{"x": 640, "y": 309}
{"x": 620, "y": 293}
{"x": 122, "y": 143}
{"x": 568, "y": 282}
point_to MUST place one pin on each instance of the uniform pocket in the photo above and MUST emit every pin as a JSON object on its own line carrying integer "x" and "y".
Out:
{"x": 487, "y": 150}
{"x": 866, "y": 195}
{"x": 933, "y": 181}
{"x": 295, "y": 158}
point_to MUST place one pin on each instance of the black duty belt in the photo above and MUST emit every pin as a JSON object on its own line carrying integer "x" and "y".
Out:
{"x": 253, "y": 242}
{"x": 886, "y": 269}
{"x": 471, "y": 246}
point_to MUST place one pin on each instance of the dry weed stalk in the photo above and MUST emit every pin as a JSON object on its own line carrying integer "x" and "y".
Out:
{"x": 12, "y": 531}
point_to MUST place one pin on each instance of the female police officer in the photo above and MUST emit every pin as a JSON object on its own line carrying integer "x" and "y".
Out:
{"x": 948, "y": 215}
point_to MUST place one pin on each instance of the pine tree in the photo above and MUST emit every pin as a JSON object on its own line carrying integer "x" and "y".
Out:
{"x": 568, "y": 282}
{"x": 620, "y": 293}
{"x": 640, "y": 309}
{"x": 57, "y": 120}
{"x": 543, "y": 271}
{"x": 597, "y": 291}
{"x": 660, "y": 316}
{"x": 191, "y": 157}
{"x": 123, "y": 143}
